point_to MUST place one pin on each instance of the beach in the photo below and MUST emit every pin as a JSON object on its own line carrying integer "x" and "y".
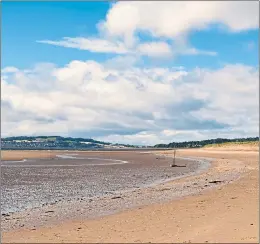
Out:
{"x": 81, "y": 180}
{"x": 130, "y": 122}
{"x": 213, "y": 203}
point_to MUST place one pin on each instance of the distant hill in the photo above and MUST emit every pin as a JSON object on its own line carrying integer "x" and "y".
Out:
{"x": 197, "y": 144}
{"x": 70, "y": 143}
{"x": 55, "y": 142}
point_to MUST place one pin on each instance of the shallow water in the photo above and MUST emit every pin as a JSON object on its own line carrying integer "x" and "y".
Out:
{"x": 36, "y": 182}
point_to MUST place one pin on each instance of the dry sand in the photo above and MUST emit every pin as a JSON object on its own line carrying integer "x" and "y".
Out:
{"x": 225, "y": 214}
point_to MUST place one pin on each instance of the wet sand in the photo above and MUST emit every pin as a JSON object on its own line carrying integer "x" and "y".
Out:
{"x": 218, "y": 205}
{"x": 75, "y": 185}
{"x": 29, "y": 154}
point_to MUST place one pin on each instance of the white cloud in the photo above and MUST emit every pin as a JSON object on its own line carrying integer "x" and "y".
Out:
{"x": 155, "y": 49}
{"x": 194, "y": 51}
{"x": 144, "y": 106}
{"x": 172, "y": 19}
{"x": 90, "y": 44}
{"x": 9, "y": 70}
{"x": 120, "y": 32}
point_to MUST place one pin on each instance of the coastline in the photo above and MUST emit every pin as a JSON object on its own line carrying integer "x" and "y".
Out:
{"x": 224, "y": 164}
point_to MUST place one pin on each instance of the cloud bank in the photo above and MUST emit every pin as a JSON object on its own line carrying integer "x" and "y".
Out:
{"x": 137, "y": 105}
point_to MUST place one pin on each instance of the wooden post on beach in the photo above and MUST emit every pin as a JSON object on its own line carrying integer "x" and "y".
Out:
{"x": 173, "y": 162}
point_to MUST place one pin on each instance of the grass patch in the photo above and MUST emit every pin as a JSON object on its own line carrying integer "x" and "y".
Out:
{"x": 230, "y": 144}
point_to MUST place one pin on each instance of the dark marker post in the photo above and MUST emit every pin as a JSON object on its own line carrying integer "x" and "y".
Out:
{"x": 173, "y": 163}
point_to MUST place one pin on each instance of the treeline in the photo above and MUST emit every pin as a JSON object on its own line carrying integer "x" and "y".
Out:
{"x": 59, "y": 139}
{"x": 197, "y": 144}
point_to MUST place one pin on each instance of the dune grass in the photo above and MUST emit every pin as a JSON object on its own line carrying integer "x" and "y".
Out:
{"x": 234, "y": 144}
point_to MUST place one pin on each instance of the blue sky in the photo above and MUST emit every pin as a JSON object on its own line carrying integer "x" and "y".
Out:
{"x": 23, "y": 23}
{"x": 133, "y": 42}
{"x": 26, "y": 22}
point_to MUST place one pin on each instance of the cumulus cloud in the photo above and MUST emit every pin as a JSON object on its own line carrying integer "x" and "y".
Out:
{"x": 137, "y": 105}
{"x": 172, "y": 19}
{"x": 155, "y": 49}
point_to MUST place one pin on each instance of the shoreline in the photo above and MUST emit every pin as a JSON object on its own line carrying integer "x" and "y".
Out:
{"x": 220, "y": 168}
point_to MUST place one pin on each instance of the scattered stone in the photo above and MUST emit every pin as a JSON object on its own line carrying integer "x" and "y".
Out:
{"x": 50, "y": 211}
{"x": 251, "y": 224}
{"x": 165, "y": 189}
{"x": 116, "y": 197}
{"x": 233, "y": 197}
{"x": 175, "y": 165}
{"x": 215, "y": 181}
{"x": 6, "y": 215}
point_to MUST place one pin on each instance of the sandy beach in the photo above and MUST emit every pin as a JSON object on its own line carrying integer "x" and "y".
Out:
{"x": 130, "y": 122}
{"x": 216, "y": 205}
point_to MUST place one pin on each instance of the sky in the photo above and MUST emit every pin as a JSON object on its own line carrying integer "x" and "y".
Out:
{"x": 130, "y": 72}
